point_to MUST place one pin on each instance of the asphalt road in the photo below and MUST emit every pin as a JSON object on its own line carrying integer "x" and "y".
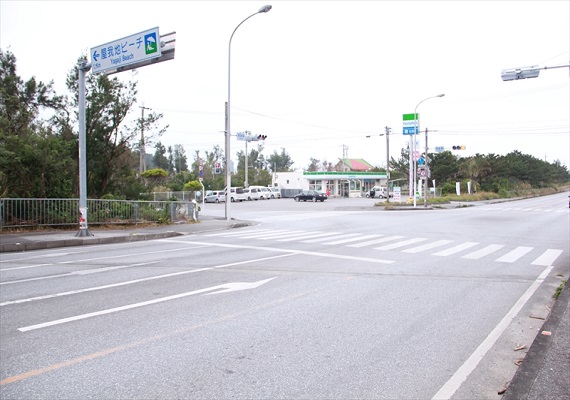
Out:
{"x": 318, "y": 300}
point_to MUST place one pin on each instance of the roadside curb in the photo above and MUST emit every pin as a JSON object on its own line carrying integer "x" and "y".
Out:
{"x": 90, "y": 240}
{"x": 528, "y": 375}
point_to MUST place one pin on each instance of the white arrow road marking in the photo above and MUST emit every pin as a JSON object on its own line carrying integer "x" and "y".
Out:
{"x": 229, "y": 287}
{"x": 234, "y": 287}
{"x": 150, "y": 278}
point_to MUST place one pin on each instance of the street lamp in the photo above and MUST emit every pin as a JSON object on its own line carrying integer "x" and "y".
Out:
{"x": 263, "y": 9}
{"x": 414, "y": 145}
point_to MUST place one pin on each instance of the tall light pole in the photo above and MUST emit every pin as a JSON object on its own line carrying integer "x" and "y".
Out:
{"x": 263, "y": 9}
{"x": 418, "y": 130}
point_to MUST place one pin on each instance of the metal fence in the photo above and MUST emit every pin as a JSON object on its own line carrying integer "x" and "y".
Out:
{"x": 29, "y": 212}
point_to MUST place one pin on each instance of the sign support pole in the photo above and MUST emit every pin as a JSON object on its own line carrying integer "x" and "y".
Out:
{"x": 82, "y": 68}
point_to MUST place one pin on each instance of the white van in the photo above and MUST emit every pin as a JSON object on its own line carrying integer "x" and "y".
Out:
{"x": 264, "y": 192}
{"x": 237, "y": 194}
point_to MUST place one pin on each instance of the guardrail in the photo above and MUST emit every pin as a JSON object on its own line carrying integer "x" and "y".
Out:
{"x": 30, "y": 212}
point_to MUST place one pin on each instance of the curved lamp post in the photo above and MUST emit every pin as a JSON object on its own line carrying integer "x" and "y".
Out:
{"x": 418, "y": 129}
{"x": 263, "y": 9}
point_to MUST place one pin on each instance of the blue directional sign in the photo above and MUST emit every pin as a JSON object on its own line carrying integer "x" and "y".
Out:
{"x": 129, "y": 50}
{"x": 439, "y": 149}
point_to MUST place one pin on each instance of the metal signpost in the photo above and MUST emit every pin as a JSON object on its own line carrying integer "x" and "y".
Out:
{"x": 410, "y": 123}
{"x": 131, "y": 52}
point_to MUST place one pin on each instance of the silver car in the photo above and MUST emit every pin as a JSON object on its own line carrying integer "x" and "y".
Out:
{"x": 215, "y": 197}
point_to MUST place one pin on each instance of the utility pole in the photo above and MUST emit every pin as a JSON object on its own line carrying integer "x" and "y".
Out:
{"x": 427, "y": 172}
{"x": 344, "y": 156}
{"x": 142, "y": 166}
{"x": 387, "y": 163}
{"x": 246, "y": 183}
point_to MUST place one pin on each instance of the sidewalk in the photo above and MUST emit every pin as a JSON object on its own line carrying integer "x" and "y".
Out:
{"x": 26, "y": 241}
{"x": 543, "y": 374}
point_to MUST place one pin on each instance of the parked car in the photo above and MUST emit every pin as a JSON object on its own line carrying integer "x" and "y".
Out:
{"x": 215, "y": 197}
{"x": 378, "y": 191}
{"x": 251, "y": 194}
{"x": 264, "y": 192}
{"x": 275, "y": 193}
{"x": 237, "y": 194}
{"x": 311, "y": 195}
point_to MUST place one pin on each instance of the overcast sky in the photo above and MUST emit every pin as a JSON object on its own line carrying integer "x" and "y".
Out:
{"x": 315, "y": 76}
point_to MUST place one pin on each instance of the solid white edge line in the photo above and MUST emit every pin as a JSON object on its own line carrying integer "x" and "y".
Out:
{"x": 455, "y": 382}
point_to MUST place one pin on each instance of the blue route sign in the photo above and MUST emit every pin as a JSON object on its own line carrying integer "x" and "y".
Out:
{"x": 129, "y": 50}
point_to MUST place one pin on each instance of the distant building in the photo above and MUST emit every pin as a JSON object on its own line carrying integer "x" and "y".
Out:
{"x": 354, "y": 180}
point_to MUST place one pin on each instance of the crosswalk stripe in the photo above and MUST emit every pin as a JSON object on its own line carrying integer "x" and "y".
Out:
{"x": 455, "y": 249}
{"x": 427, "y": 246}
{"x": 514, "y": 255}
{"x": 352, "y": 239}
{"x": 547, "y": 258}
{"x": 400, "y": 244}
{"x": 324, "y": 239}
{"x": 376, "y": 241}
{"x": 281, "y": 234}
{"x": 238, "y": 232}
{"x": 483, "y": 252}
{"x": 252, "y": 235}
{"x": 308, "y": 235}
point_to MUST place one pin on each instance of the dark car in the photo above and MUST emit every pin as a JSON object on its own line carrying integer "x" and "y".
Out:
{"x": 311, "y": 195}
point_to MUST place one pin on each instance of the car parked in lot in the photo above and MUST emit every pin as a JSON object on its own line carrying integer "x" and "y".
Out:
{"x": 251, "y": 194}
{"x": 310, "y": 195}
{"x": 378, "y": 191}
{"x": 215, "y": 197}
{"x": 275, "y": 193}
{"x": 264, "y": 192}
{"x": 237, "y": 194}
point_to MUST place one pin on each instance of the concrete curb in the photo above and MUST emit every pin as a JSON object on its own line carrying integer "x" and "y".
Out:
{"x": 51, "y": 244}
{"x": 527, "y": 377}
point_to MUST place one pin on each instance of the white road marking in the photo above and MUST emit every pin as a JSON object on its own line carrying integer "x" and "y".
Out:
{"x": 483, "y": 252}
{"x": 84, "y": 272}
{"x": 547, "y": 258}
{"x": 400, "y": 244}
{"x": 514, "y": 255}
{"x": 280, "y": 235}
{"x": 318, "y": 240}
{"x": 455, "y": 249}
{"x": 226, "y": 287}
{"x": 308, "y": 235}
{"x": 24, "y": 267}
{"x": 427, "y": 246}
{"x": 454, "y": 383}
{"x": 151, "y": 278}
{"x": 239, "y": 232}
{"x": 376, "y": 241}
{"x": 352, "y": 239}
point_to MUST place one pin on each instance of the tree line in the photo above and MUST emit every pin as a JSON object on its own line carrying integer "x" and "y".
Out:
{"x": 39, "y": 148}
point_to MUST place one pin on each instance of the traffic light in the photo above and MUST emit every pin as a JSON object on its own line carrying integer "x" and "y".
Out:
{"x": 458, "y": 147}
{"x": 218, "y": 168}
{"x": 513, "y": 74}
{"x": 261, "y": 137}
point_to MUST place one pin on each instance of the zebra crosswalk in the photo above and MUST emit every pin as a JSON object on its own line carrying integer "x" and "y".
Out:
{"x": 500, "y": 253}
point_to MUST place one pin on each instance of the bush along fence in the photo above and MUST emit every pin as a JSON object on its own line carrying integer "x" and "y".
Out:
{"x": 29, "y": 212}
